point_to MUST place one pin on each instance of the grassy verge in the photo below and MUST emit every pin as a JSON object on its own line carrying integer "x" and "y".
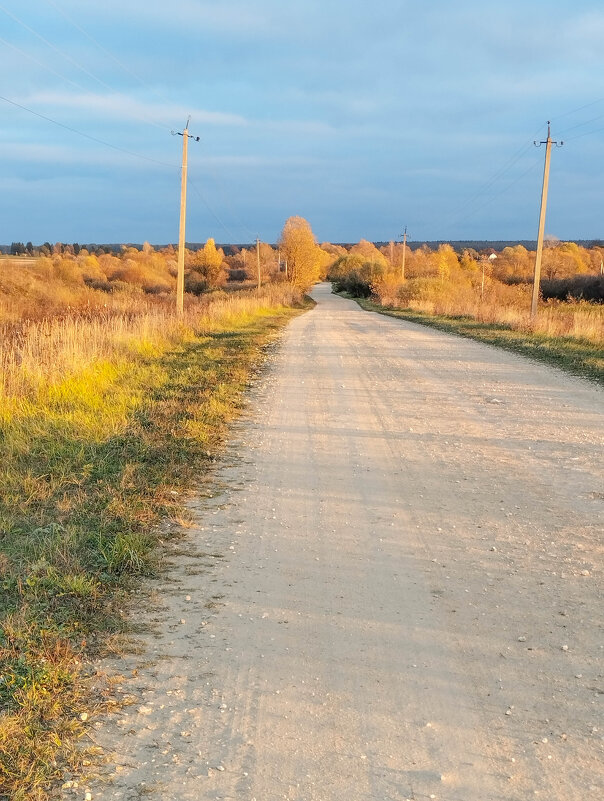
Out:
{"x": 576, "y": 356}
{"x": 90, "y": 464}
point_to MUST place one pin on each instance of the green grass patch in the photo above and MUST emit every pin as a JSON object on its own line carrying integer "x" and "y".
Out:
{"x": 89, "y": 469}
{"x": 576, "y": 356}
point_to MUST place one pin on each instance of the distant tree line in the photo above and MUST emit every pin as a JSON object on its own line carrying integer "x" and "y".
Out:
{"x": 58, "y": 249}
{"x": 569, "y": 268}
{"x": 569, "y": 271}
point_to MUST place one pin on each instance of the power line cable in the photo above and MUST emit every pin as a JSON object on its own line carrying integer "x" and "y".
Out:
{"x": 40, "y": 64}
{"x": 55, "y": 48}
{"x": 107, "y": 52}
{"x": 240, "y": 224}
{"x": 579, "y": 108}
{"x": 492, "y": 180}
{"x": 87, "y": 136}
{"x": 502, "y": 191}
{"x": 211, "y": 210}
{"x": 586, "y": 133}
{"x": 581, "y": 124}
{"x": 74, "y": 62}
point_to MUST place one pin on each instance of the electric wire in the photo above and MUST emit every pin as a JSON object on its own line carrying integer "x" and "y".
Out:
{"x": 225, "y": 198}
{"x": 55, "y": 48}
{"x": 579, "y": 108}
{"x": 580, "y": 125}
{"x": 25, "y": 54}
{"x": 586, "y": 133}
{"x": 75, "y": 63}
{"x": 87, "y": 136}
{"x": 127, "y": 152}
{"x": 479, "y": 193}
{"x": 107, "y": 52}
{"x": 106, "y": 86}
{"x": 211, "y": 210}
{"x": 503, "y": 191}
{"x": 497, "y": 175}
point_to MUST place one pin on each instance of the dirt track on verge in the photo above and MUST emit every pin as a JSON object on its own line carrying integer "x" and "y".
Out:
{"x": 394, "y": 593}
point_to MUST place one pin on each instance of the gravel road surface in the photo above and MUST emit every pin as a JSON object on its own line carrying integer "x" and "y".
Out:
{"x": 392, "y": 589}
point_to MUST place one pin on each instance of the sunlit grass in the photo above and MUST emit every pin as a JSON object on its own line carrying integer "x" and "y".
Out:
{"x": 578, "y": 319}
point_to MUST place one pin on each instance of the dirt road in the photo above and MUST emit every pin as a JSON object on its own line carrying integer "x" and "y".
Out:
{"x": 395, "y": 592}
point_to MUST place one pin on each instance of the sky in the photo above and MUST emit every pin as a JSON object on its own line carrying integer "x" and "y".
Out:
{"x": 363, "y": 117}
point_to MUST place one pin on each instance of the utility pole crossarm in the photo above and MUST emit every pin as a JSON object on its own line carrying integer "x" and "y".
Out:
{"x": 180, "y": 277}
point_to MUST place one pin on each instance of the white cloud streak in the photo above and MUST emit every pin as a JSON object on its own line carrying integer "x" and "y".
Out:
{"x": 121, "y": 107}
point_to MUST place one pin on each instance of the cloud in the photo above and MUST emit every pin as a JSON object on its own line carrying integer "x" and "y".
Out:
{"x": 121, "y": 107}
{"x": 232, "y": 17}
{"x": 261, "y": 161}
{"x": 30, "y": 154}
{"x": 118, "y": 106}
{"x": 587, "y": 34}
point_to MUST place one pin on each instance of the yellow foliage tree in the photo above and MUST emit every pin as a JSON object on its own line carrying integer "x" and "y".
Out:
{"x": 446, "y": 261}
{"x": 208, "y": 266}
{"x": 303, "y": 255}
{"x": 369, "y": 252}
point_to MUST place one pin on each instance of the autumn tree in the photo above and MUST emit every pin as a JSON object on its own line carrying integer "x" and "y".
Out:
{"x": 268, "y": 262}
{"x": 334, "y": 250}
{"x": 325, "y": 259}
{"x": 514, "y": 262}
{"x": 564, "y": 260}
{"x": 236, "y": 265}
{"x": 300, "y": 250}
{"x": 206, "y": 268}
{"x": 369, "y": 252}
{"x": 446, "y": 261}
{"x": 469, "y": 260}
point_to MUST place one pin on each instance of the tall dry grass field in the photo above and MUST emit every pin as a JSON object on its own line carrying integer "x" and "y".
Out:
{"x": 577, "y": 320}
{"x": 496, "y": 303}
{"x": 40, "y": 354}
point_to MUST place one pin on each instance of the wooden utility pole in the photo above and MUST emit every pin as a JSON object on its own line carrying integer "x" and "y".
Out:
{"x": 180, "y": 276}
{"x": 392, "y": 253}
{"x": 404, "y": 254}
{"x": 483, "y": 260}
{"x": 537, "y": 274}
{"x": 258, "y": 261}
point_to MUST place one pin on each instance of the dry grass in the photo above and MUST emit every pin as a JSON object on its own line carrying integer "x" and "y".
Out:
{"x": 35, "y": 355}
{"x": 499, "y": 304}
{"x": 579, "y": 320}
{"x": 36, "y": 289}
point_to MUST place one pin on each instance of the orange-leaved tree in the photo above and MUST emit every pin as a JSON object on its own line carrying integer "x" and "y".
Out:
{"x": 300, "y": 250}
{"x": 206, "y": 268}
